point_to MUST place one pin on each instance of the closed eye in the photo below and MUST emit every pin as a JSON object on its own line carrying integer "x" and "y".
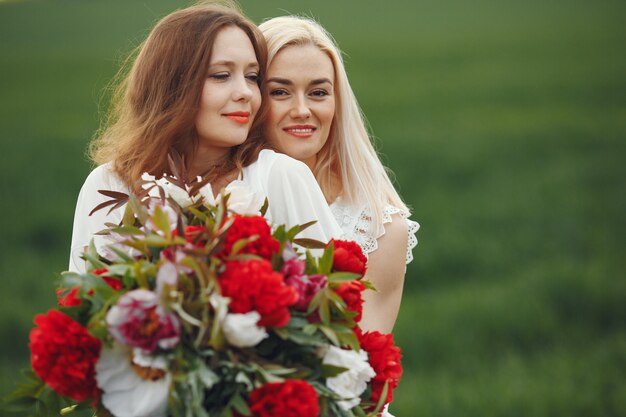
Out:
{"x": 221, "y": 76}
{"x": 253, "y": 77}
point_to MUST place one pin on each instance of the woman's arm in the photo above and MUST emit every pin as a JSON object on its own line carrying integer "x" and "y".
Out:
{"x": 386, "y": 267}
{"x": 86, "y": 226}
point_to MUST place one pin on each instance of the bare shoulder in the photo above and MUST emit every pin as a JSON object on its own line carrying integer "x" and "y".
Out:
{"x": 395, "y": 237}
{"x": 387, "y": 264}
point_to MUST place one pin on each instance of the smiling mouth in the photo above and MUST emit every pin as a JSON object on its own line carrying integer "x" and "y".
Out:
{"x": 300, "y": 131}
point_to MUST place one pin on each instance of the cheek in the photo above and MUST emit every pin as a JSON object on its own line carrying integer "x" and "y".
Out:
{"x": 256, "y": 100}
{"x": 328, "y": 114}
{"x": 272, "y": 120}
{"x": 332, "y": 107}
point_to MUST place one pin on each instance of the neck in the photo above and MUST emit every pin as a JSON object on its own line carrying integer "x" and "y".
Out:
{"x": 205, "y": 159}
{"x": 311, "y": 162}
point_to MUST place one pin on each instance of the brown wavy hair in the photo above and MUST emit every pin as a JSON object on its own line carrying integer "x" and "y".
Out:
{"x": 154, "y": 106}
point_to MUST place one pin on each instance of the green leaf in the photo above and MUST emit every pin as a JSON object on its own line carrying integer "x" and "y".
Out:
{"x": 127, "y": 230}
{"x": 141, "y": 212}
{"x": 226, "y": 412}
{"x": 241, "y": 243}
{"x": 304, "y": 339}
{"x": 349, "y": 339}
{"x": 129, "y": 216}
{"x": 326, "y": 261}
{"x": 239, "y": 404}
{"x": 330, "y": 334}
{"x": 265, "y": 206}
{"x": 368, "y": 285}
{"x": 162, "y": 221}
{"x": 329, "y": 371}
{"x": 198, "y": 214}
{"x": 324, "y": 311}
{"x": 156, "y": 241}
{"x": 343, "y": 277}
{"x": 358, "y": 412}
{"x": 280, "y": 234}
{"x": 310, "y": 329}
{"x": 311, "y": 264}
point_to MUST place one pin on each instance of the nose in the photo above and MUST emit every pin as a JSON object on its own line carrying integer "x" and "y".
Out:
{"x": 300, "y": 110}
{"x": 243, "y": 90}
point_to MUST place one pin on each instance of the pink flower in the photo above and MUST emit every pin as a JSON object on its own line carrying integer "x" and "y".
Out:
{"x": 138, "y": 321}
{"x": 306, "y": 286}
{"x": 293, "y": 268}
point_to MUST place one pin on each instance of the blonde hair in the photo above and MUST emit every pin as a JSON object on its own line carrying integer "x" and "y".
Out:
{"x": 154, "y": 107}
{"x": 348, "y": 157}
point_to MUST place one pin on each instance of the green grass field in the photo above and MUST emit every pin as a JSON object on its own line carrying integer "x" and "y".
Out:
{"x": 505, "y": 123}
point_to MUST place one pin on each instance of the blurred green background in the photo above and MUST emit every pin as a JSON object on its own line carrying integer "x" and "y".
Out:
{"x": 505, "y": 123}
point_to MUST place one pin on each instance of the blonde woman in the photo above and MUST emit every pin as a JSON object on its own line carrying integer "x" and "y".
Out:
{"x": 194, "y": 88}
{"x": 314, "y": 116}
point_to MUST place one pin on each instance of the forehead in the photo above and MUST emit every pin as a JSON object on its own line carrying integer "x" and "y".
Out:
{"x": 232, "y": 44}
{"x": 297, "y": 61}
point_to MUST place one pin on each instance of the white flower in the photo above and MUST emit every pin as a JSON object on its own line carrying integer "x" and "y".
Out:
{"x": 241, "y": 330}
{"x": 136, "y": 387}
{"x": 349, "y": 384}
{"x": 180, "y": 195}
{"x": 242, "y": 199}
{"x": 220, "y": 305}
{"x": 147, "y": 178}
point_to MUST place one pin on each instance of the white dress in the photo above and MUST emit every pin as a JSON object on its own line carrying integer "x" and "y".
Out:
{"x": 356, "y": 223}
{"x": 293, "y": 194}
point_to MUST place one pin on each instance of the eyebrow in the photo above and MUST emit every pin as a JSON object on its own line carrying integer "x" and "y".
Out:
{"x": 233, "y": 63}
{"x": 285, "y": 81}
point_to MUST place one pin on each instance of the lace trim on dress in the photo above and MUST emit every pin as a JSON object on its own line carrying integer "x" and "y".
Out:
{"x": 357, "y": 226}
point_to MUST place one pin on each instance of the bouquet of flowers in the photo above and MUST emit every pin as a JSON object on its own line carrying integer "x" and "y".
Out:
{"x": 196, "y": 307}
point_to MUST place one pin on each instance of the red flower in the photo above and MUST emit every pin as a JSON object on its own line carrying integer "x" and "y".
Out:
{"x": 244, "y": 227}
{"x": 350, "y": 292}
{"x": 71, "y": 300}
{"x": 191, "y": 235}
{"x": 292, "y": 398}
{"x": 253, "y": 285}
{"x": 64, "y": 354}
{"x": 384, "y": 357}
{"x": 348, "y": 257}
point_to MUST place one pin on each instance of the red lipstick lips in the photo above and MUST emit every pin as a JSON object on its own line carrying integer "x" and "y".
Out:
{"x": 241, "y": 117}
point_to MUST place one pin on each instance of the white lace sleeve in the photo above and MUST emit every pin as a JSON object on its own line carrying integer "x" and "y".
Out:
{"x": 85, "y": 226}
{"x": 356, "y": 223}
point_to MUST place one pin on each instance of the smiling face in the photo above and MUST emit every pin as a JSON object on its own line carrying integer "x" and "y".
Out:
{"x": 301, "y": 101}
{"x": 230, "y": 96}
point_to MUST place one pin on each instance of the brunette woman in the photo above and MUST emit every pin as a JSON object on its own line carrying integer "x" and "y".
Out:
{"x": 194, "y": 88}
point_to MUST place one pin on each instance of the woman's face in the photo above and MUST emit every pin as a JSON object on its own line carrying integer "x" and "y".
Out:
{"x": 301, "y": 101}
{"x": 230, "y": 96}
